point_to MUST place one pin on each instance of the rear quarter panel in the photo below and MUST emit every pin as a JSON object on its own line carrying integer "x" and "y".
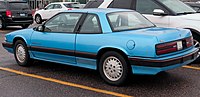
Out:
{"x": 92, "y": 43}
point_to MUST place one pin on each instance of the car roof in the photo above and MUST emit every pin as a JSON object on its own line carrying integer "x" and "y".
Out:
{"x": 99, "y": 10}
{"x": 63, "y": 2}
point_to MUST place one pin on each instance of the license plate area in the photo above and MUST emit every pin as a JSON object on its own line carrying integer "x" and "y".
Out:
{"x": 22, "y": 14}
{"x": 179, "y": 45}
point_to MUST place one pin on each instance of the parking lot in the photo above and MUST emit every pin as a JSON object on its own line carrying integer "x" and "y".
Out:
{"x": 44, "y": 79}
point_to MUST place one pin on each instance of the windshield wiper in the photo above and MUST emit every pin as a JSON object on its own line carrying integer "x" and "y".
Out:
{"x": 183, "y": 13}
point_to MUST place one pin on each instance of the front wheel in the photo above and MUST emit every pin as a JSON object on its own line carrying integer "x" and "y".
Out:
{"x": 38, "y": 19}
{"x": 113, "y": 68}
{"x": 21, "y": 53}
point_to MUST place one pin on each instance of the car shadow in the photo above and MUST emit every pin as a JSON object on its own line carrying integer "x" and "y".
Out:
{"x": 170, "y": 80}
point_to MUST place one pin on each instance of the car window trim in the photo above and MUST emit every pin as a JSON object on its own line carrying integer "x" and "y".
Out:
{"x": 74, "y": 32}
{"x": 98, "y": 20}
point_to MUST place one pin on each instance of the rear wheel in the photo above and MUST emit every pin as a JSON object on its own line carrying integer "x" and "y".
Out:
{"x": 113, "y": 68}
{"x": 196, "y": 44}
{"x": 38, "y": 19}
{"x": 2, "y": 25}
{"x": 21, "y": 53}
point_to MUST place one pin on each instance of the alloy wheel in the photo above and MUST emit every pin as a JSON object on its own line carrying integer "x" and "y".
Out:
{"x": 113, "y": 68}
{"x": 20, "y": 53}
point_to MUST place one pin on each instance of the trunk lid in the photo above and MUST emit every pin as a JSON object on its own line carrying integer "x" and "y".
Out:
{"x": 163, "y": 34}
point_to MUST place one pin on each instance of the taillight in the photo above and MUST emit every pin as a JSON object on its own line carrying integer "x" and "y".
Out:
{"x": 189, "y": 42}
{"x": 8, "y": 13}
{"x": 166, "y": 48}
{"x": 174, "y": 46}
{"x": 69, "y": 9}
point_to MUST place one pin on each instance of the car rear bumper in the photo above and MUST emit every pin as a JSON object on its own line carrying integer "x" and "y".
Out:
{"x": 154, "y": 66}
{"x": 18, "y": 21}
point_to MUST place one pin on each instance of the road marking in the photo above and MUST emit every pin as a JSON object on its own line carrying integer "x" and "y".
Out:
{"x": 65, "y": 83}
{"x": 191, "y": 67}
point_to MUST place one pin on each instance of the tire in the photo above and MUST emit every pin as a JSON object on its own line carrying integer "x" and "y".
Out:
{"x": 21, "y": 53}
{"x": 196, "y": 38}
{"x": 25, "y": 26}
{"x": 38, "y": 19}
{"x": 108, "y": 68}
{"x": 2, "y": 25}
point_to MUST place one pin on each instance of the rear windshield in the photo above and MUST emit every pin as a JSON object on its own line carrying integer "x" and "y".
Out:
{"x": 121, "y": 21}
{"x": 2, "y": 5}
{"x": 72, "y": 5}
{"x": 19, "y": 6}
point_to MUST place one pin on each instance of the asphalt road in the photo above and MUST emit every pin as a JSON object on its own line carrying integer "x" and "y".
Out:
{"x": 44, "y": 79}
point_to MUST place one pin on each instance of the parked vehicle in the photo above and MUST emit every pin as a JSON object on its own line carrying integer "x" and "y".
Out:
{"x": 114, "y": 41}
{"x": 15, "y": 13}
{"x": 54, "y": 8}
{"x": 163, "y": 13}
{"x": 194, "y": 5}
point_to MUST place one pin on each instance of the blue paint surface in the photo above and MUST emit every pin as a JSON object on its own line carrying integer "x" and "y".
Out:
{"x": 142, "y": 43}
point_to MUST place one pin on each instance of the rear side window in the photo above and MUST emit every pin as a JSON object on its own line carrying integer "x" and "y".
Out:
{"x": 18, "y": 6}
{"x": 2, "y": 5}
{"x": 94, "y": 4}
{"x": 121, "y": 21}
{"x": 91, "y": 25}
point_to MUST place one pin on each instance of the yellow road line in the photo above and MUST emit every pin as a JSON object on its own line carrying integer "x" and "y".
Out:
{"x": 191, "y": 67}
{"x": 65, "y": 83}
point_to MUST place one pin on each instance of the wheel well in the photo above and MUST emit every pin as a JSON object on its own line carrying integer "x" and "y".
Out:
{"x": 193, "y": 31}
{"x": 195, "y": 34}
{"x": 104, "y": 50}
{"x": 18, "y": 38}
{"x": 38, "y": 15}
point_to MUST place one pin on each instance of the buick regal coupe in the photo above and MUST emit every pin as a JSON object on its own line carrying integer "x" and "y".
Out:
{"x": 116, "y": 42}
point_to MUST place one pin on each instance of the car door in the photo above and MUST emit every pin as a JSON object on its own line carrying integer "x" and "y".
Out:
{"x": 56, "y": 9}
{"x": 57, "y": 41}
{"x": 47, "y": 11}
{"x": 146, "y": 7}
{"x": 86, "y": 46}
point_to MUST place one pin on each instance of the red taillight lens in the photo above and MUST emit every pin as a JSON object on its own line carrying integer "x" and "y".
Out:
{"x": 166, "y": 48}
{"x": 69, "y": 9}
{"x": 8, "y": 13}
{"x": 174, "y": 46}
{"x": 189, "y": 42}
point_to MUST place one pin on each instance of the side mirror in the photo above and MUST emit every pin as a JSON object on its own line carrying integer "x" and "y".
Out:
{"x": 159, "y": 12}
{"x": 40, "y": 28}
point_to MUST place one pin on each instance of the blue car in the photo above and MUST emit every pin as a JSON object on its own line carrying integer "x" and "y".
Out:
{"x": 116, "y": 42}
